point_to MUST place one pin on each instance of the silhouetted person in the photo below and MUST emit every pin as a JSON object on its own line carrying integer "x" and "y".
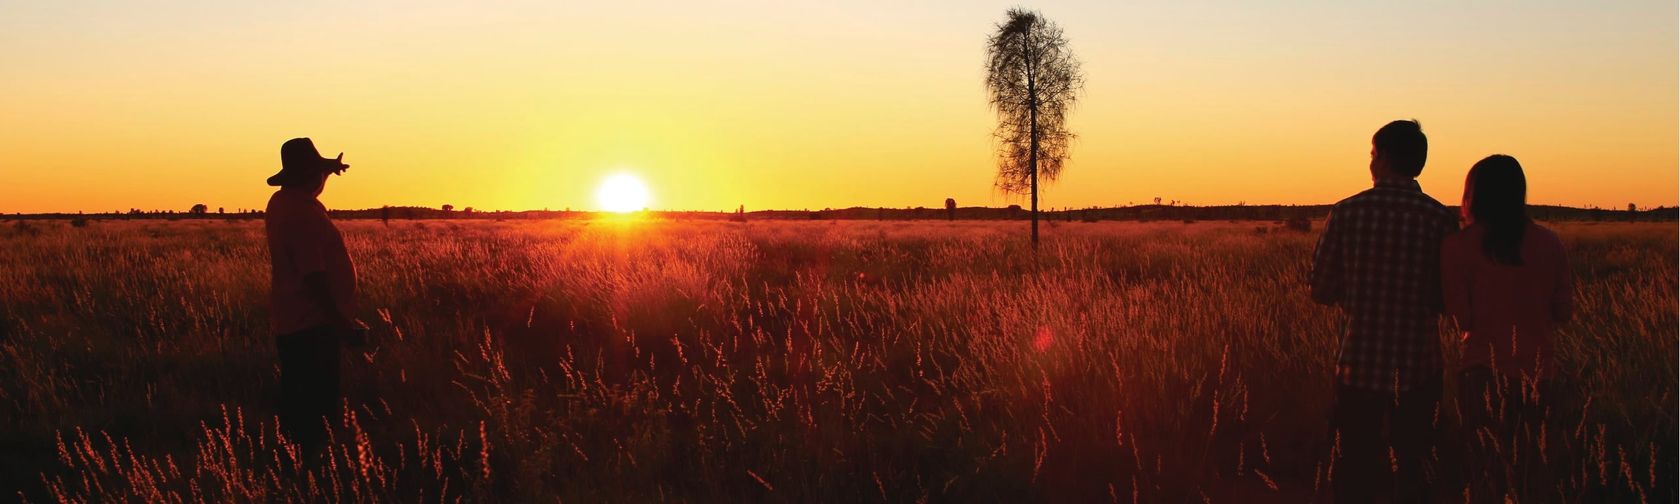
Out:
{"x": 313, "y": 295}
{"x": 1379, "y": 261}
{"x": 1506, "y": 281}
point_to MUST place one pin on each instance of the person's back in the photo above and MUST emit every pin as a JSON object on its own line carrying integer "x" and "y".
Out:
{"x": 1508, "y": 312}
{"x": 1385, "y": 241}
{"x": 303, "y": 241}
{"x": 1379, "y": 261}
{"x": 1506, "y": 282}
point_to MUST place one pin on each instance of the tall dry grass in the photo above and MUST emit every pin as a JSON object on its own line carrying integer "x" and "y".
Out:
{"x": 786, "y": 361}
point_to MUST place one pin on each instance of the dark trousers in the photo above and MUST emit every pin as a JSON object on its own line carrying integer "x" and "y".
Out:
{"x": 309, "y": 384}
{"x": 1365, "y": 469}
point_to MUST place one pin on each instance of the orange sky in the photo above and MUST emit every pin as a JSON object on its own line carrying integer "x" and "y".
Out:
{"x": 529, "y": 105}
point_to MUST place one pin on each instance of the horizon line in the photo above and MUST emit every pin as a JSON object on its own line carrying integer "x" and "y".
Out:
{"x": 474, "y": 210}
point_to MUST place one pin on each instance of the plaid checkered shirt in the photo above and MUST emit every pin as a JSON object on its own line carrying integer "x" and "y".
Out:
{"x": 1379, "y": 261}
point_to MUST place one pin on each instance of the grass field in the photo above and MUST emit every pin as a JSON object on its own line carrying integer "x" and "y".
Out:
{"x": 778, "y": 361}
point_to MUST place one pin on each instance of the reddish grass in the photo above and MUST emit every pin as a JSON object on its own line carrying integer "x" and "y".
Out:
{"x": 787, "y": 361}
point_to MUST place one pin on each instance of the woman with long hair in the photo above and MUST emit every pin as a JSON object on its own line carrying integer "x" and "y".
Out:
{"x": 1505, "y": 280}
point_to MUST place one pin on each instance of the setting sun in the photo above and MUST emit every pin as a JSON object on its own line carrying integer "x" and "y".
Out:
{"x": 622, "y": 193}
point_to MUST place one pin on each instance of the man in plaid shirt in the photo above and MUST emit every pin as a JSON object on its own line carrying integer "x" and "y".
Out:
{"x": 1378, "y": 260}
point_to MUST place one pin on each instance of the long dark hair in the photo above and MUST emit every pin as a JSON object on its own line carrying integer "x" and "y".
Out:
{"x": 1496, "y": 196}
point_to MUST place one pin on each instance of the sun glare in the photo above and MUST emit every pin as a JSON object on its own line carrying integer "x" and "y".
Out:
{"x": 622, "y": 193}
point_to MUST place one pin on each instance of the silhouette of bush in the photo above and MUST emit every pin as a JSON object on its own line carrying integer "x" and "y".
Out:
{"x": 1301, "y": 224}
{"x": 79, "y": 222}
{"x": 24, "y": 228}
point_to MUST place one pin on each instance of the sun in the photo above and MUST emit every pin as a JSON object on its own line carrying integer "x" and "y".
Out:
{"x": 622, "y": 193}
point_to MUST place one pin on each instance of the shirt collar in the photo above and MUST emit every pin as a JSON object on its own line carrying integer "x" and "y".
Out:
{"x": 1408, "y": 184}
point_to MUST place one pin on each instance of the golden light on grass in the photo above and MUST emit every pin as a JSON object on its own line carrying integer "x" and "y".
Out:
{"x": 622, "y": 193}
{"x": 1043, "y": 339}
{"x": 1119, "y": 346}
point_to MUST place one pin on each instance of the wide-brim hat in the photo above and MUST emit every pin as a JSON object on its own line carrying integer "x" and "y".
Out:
{"x": 299, "y": 160}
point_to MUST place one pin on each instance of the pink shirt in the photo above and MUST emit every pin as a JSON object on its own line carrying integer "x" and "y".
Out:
{"x": 302, "y": 241}
{"x": 1508, "y": 314}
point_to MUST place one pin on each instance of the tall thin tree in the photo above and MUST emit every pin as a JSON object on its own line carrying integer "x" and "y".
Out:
{"x": 1033, "y": 80}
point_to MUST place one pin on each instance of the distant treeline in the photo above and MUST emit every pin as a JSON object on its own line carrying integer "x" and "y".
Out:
{"x": 1012, "y": 212}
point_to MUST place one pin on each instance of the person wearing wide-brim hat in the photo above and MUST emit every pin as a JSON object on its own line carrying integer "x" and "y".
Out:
{"x": 312, "y": 299}
{"x": 300, "y": 163}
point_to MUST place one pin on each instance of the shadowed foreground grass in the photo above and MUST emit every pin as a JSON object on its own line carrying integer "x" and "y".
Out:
{"x": 785, "y": 361}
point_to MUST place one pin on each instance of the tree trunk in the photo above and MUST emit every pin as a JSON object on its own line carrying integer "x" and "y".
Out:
{"x": 1032, "y": 159}
{"x": 1032, "y": 132}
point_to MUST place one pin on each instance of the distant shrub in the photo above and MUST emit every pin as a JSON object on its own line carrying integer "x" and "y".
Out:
{"x": 24, "y": 228}
{"x": 79, "y": 222}
{"x": 1301, "y": 224}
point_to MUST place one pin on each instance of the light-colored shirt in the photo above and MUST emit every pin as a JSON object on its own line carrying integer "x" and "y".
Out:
{"x": 1508, "y": 314}
{"x": 302, "y": 241}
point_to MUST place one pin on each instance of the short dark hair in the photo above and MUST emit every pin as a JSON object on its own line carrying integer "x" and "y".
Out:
{"x": 1402, "y": 143}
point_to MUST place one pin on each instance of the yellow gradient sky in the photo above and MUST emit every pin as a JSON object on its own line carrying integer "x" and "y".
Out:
{"x": 807, "y": 104}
